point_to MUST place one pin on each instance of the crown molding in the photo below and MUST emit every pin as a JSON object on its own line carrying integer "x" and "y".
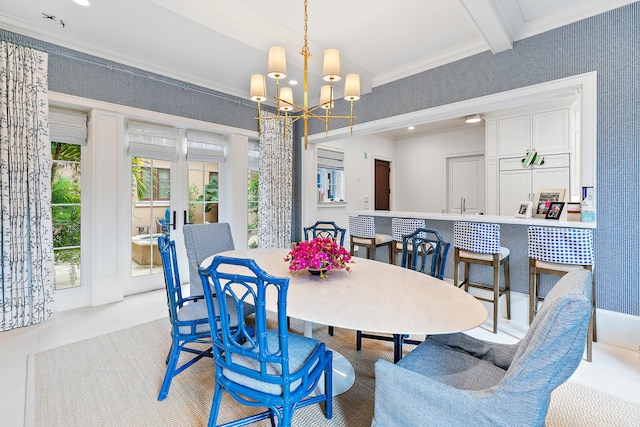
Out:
{"x": 582, "y": 10}
{"x": 452, "y": 55}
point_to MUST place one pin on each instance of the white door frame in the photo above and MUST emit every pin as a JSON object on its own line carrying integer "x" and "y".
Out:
{"x": 447, "y": 194}
{"x": 106, "y": 211}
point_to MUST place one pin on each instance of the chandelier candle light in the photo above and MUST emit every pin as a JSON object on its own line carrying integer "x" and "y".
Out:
{"x": 331, "y": 72}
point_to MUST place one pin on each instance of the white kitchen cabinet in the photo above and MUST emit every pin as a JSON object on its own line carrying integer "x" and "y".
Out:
{"x": 546, "y": 130}
{"x": 492, "y": 179}
{"x": 514, "y": 135}
{"x": 550, "y": 131}
{"x": 515, "y": 186}
{"x": 517, "y": 183}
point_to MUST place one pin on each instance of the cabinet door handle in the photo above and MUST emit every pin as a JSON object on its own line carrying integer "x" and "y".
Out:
{"x": 174, "y": 220}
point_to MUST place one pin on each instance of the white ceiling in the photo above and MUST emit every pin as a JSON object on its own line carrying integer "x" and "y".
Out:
{"x": 218, "y": 44}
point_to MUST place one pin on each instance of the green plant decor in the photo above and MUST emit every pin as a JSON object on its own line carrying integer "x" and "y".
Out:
{"x": 210, "y": 193}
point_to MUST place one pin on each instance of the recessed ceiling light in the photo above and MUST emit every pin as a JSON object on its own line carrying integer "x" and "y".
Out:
{"x": 293, "y": 82}
{"x": 475, "y": 118}
{"x": 82, "y": 2}
{"x": 411, "y": 128}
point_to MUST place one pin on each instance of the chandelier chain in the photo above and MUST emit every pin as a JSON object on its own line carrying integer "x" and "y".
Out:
{"x": 305, "y": 47}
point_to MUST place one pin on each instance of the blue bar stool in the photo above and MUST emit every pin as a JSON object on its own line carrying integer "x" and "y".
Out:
{"x": 479, "y": 243}
{"x": 557, "y": 251}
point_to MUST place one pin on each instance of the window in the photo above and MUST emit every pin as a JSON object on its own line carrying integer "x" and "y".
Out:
{"x": 66, "y": 213}
{"x": 253, "y": 176}
{"x": 68, "y": 133}
{"x": 203, "y": 192}
{"x": 160, "y": 181}
{"x": 205, "y": 155}
{"x": 330, "y": 176}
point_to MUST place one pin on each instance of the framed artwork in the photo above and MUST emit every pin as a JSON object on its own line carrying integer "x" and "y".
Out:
{"x": 524, "y": 209}
{"x": 554, "y": 211}
{"x": 543, "y": 200}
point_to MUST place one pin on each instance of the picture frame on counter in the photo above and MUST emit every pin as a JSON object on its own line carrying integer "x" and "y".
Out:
{"x": 524, "y": 210}
{"x": 555, "y": 210}
{"x": 543, "y": 201}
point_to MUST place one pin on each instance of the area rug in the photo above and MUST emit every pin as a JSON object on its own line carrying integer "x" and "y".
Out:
{"x": 114, "y": 379}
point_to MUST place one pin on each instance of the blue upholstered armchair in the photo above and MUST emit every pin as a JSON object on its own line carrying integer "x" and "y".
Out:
{"x": 457, "y": 380}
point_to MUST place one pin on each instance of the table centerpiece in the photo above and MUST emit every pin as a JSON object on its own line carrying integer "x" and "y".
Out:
{"x": 318, "y": 256}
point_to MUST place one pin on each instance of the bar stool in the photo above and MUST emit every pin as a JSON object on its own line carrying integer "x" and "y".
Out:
{"x": 362, "y": 230}
{"x": 556, "y": 251}
{"x": 401, "y": 227}
{"x": 479, "y": 243}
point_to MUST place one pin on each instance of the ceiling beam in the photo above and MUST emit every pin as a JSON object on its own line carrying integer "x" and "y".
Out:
{"x": 482, "y": 14}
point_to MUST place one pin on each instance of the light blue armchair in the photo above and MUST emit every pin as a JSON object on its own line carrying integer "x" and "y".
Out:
{"x": 457, "y": 380}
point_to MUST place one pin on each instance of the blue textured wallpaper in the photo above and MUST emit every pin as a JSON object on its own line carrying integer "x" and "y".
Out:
{"x": 607, "y": 43}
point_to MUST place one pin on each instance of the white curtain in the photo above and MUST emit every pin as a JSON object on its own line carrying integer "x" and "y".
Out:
{"x": 274, "y": 186}
{"x": 28, "y": 276}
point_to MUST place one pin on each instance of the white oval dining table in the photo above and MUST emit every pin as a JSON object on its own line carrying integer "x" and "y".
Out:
{"x": 374, "y": 297}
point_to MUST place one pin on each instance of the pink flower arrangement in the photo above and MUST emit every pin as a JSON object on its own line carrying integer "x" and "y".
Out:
{"x": 321, "y": 253}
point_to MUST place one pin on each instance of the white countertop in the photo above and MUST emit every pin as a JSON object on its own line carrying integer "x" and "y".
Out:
{"x": 479, "y": 218}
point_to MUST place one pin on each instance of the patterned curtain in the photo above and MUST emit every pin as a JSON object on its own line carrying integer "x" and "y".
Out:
{"x": 274, "y": 186}
{"x": 28, "y": 276}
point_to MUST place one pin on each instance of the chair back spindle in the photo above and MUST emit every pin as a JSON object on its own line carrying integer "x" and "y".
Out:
{"x": 259, "y": 364}
{"x": 426, "y": 245}
{"x": 325, "y": 229}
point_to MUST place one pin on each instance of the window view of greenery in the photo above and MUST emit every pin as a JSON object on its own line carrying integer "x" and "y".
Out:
{"x": 161, "y": 181}
{"x": 66, "y": 213}
{"x": 203, "y": 192}
{"x": 252, "y": 205}
{"x": 150, "y": 193}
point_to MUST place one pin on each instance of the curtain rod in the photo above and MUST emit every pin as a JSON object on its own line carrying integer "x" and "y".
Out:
{"x": 51, "y": 48}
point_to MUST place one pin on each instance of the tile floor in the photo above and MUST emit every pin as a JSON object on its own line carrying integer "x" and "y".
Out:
{"x": 613, "y": 370}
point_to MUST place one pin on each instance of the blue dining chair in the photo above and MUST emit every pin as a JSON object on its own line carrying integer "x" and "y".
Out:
{"x": 325, "y": 229}
{"x": 188, "y": 315}
{"x": 258, "y": 365}
{"x": 429, "y": 255}
{"x": 429, "y": 251}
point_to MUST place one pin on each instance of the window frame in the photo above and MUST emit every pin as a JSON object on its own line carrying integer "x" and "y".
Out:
{"x": 330, "y": 176}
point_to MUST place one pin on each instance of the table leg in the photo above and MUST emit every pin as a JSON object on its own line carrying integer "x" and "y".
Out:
{"x": 343, "y": 374}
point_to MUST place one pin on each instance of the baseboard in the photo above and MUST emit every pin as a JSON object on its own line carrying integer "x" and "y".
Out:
{"x": 618, "y": 329}
{"x": 613, "y": 328}
{"x": 29, "y": 398}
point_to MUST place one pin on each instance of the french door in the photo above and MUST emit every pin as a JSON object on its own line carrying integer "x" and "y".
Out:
{"x": 169, "y": 189}
{"x": 150, "y": 213}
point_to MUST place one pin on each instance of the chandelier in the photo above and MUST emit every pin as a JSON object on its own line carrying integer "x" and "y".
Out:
{"x": 287, "y": 110}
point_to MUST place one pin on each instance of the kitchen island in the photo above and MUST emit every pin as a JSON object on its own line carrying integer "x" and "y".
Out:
{"x": 513, "y": 235}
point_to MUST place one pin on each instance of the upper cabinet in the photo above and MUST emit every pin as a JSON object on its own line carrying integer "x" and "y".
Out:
{"x": 514, "y": 136}
{"x": 546, "y": 132}
{"x": 548, "y": 129}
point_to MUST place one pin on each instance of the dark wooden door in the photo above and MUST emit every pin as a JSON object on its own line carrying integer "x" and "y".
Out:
{"x": 382, "y": 187}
